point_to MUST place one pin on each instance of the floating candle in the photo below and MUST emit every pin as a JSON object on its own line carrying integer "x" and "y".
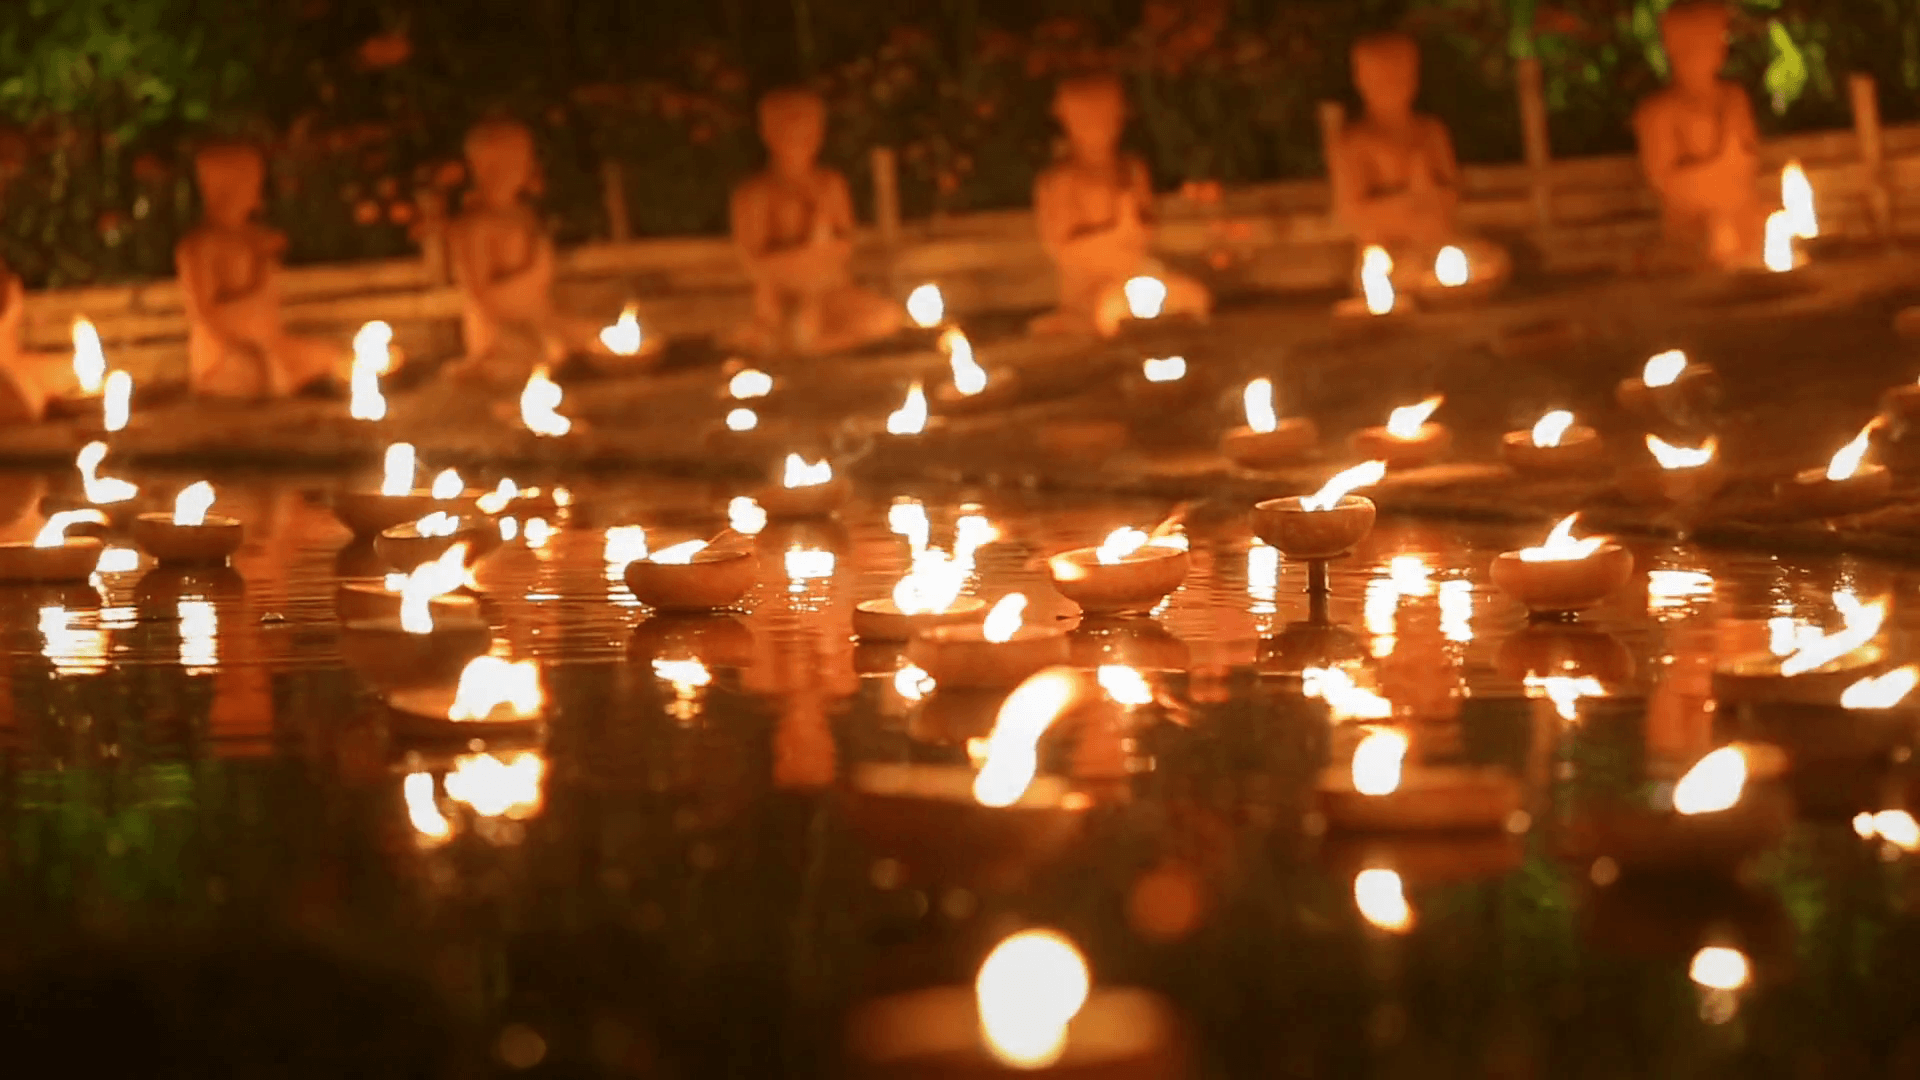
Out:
{"x": 429, "y": 640}
{"x": 926, "y": 306}
{"x": 101, "y": 490}
{"x": 1848, "y": 485}
{"x": 969, "y": 378}
{"x": 372, "y": 358}
{"x": 1131, "y": 570}
{"x": 539, "y": 400}
{"x": 928, "y": 595}
{"x": 89, "y": 358}
{"x": 1326, "y": 524}
{"x": 413, "y": 543}
{"x": 999, "y": 651}
{"x": 1781, "y": 254}
{"x": 624, "y": 337}
{"x": 1796, "y": 200}
{"x": 1381, "y": 792}
{"x": 1146, "y": 297}
{"x": 1408, "y": 439}
{"x": 748, "y": 384}
{"x": 1671, "y": 390}
{"x": 1681, "y": 474}
{"x": 52, "y": 555}
{"x": 911, "y": 417}
{"x": 1376, "y": 280}
{"x": 116, "y": 401}
{"x": 1267, "y": 440}
{"x": 1564, "y": 574}
{"x": 691, "y": 576}
{"x": 1555, "y": 444}
{"x": 1450, "y": 267}
{"x": 807, "y": 489}
{"x": 189, "y": 535}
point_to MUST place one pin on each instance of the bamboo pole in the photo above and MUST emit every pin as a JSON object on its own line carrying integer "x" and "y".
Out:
{"x": 1534, "y": 135}
{"x": 1866, "y": 128}
{"x": 613, "y": 191}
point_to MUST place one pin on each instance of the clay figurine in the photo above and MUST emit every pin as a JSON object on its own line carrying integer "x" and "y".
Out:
{"x": 28, "y": 379}
{"x": 1095, "y": 211}
{"x": 229, "y": 267}
{"x": 793, "y": 224}
{"x": 1396, "y": 183}
{"x": 1699, "y": 145}
{"x": 503, "y": 263}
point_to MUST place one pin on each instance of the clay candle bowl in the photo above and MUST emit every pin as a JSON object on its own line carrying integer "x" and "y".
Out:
{"x": 53, "y": 555}
{"x": 417, "y": 646}
{"x": 926, "y": 815}
{"x": 1848, "y": 485}
{"x": 1564, "y": 574}
{"x": 692, "y": 577}
{"x": 404, "y": 547}
{"x": 368, "y": 513}
{"x": 1408, "y": 439}
{"x": 1127, "y": 572}
{"x": 806, "y": 490}
{"x": 885, "y": 621}
{"x": 971, "y": 388}
{"x": 1671, "y": 390}
{"x": 1324, "y": 525}
{"x": 1555, "y": 446}
{"x": 997, "y": 653}
{"x": 1811, "y": 667}
{"x": 493, "y": 698}
{"x": 1379, "y": 792}
{"x": 189, "y": 536}
{"x": 360, "y": 601}
{"x": 1679, "y": 475}
{"x": 1267, "y": 440}
{"x": 1716, "y": 819}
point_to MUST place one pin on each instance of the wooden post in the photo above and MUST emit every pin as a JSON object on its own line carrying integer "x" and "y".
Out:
{"x": 613, "y": 190}
{"x": 1333, "y": 121}
{"x": 1866, "y": 127}
{"x": 886, "y": 204}
{"x": 1534, "y": 136}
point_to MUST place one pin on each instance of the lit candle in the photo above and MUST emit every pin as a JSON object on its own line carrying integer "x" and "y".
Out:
{"x": 911, "y": 417}
{"x": 416, "y": 542}
{"x": 1379, "y": 791}
{"x": 807, "y": 489}
{"x": 52, "y": 555}
{"x": 1554, "y": 445}
{"x": 1131, "y": 570}
{"x": 1848, "y": 485}
{"x": 624, "y": 337}
{"x": 1408, "y": 439}
{"x": 89, "y": 358}
{"x": 1671, "y": 389}
{"x": 928, "y": 595}
{"x": 1564, "y": 574}
{"x": 1267, "y": 441}
{"x": 1450, "y": 268}
{"x": 1376, "y": 281}
{"x": 539, "y": 405}
{"x": 1711, "y": 818}
{"x": 1680, "y": 474}
{"x": 372, "y": 358}
{"x": 493, "y": 696}
{"x": 927, "y": 307}
{"x": 396, "y": 501}
{"x": 1326, "y": 524}
{"x": 430, "y": 635}
{"x": 691, "y": 576}
{"x": 189, "y": 535}
{"x": 997, "y": 652}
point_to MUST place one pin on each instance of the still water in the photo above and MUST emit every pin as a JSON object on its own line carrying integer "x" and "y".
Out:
{"x": 740, "y": 838}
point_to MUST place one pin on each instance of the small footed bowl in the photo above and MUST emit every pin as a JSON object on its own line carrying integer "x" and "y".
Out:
{"x": 816, "y": 501}
{"x": 880, "y": 620}
{"x": 1567, "y": 585}
{"x": 1291, "y": 441}
{"x": 1135, "y": 583}
{"x": 714, "y": 579}
{"x": 1300, "y": 533}
{"x": 1580, "y": 450}
{"x": 170, "y": 544}
{"x": 72, "y": 560}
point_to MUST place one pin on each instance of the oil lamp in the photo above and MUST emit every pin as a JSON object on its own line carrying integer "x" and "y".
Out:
{"x": 115, "y": 497}
{"x": 997, "y": 652}
{"x": 971, "y": 387}
{"x": 189, "y": 536}
{"x": 1377, "y": 297}
{"x": 1380, "y": 792}
{"x": 116, "y": 401}
{"x": 625, "y": 337}
{"x": 927, "y": 307}
{"x": 911, "y": 417}
{"x": 1564, "y": 574}
{"x": 806, "y": 490}
{"x": 539, "y": 405}
{"x": 1324, "y": 525}
{"x": 1806, "y": 665}
{"x": 494, "y": 697}
{"x": 1684, "y": 475}
{"x": 89, "y": 358}
{"x": 432, "y": 636}
{"x": 1796, "y": 199}
{"x": 1267, "y": 441}
{"x": 1408, "y": 439}
{"x": 1781, "y": 254}
{"x": 1131, "y": 570}
{"x": 366, "y": 513}
{"x": 692, "y": 576}
{"x": 1554, "y": 446}
{"x": 1671, "y": 389}
{"x": 52, "y": 555}
{"x": 1711, "y": 817}
{"x": 372, "y": 358}
{"x": 420, "y": 541}
{"x": 1848, "y": 485}
{"x": 927, "y": 596}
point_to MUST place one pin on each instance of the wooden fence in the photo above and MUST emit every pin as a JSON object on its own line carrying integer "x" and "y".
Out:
{"x": 1562, "y": 216}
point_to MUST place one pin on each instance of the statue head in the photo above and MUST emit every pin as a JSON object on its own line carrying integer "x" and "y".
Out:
{"x": 1695, "y": 34}
{"x": 1093, "y": 110}
{"x": 500, "y": 157}
{"x": 1386, "y": 71}
{"x": 793, "y": 123}
{"x": 230, "y": 175}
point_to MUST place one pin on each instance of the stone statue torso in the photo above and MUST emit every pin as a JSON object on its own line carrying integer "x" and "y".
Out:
{"x": 1388, "y": 162}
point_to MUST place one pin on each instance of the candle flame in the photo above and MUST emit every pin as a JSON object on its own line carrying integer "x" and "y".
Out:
{"x": 911, "y": 417}
{"x": 428, "y": 580}
{"x": 1124, "y": 684}
{"x": 971, "y": 532}
{"x": 742, "y": 419}
{"x": 116, "y": 403}
{"x": 100, "y": 490}
{"x": 926, "y": 306}
{"x": 1008, "y": 757}
{"x": 1552, "y": 428}
{"x": 493, "y": 502}
{"x": 1796, "y": 197}
{"x": 1377, "y": 761}
{"x": 749, "y": 383}
{"x": 1561, "y": 546}
{"x": 1664, "y": 369}
{"x": 538, "y": 401}
{"x": 1004, "y": 618}
{"x": 397, "y": 469}
{"x": 1119, "y": 544}
{"x": 625, "y": 544}
{"x": 932, "y": 585}
{"x": 1717, "y": 967}
{"x": 1779, "y": 254}
{"x": 1860, "y": 624}
{"x": 680, "y": 554}
{"x": 1029, "y": 989}
{"x": 807, "y": 564}
{"x": 89, "y": 358}
{"x": 191, "y": 505}
{"x": 1345, "y": 483}
{"x": 1896, "y": 827}
{"x": 1165, "y": 369}
{"x": 1682, "y": 457}
{"x": 494, "y": 690}
{"x": 913, "y": 683}
{"x": 1881, "y": 691}
{"x": 438, "y": 524}
{"x": 1382, "y": 900}
{"x": 1715, "y": 783}
{"x": 799, "y": 473}
{"x": 54, "y": 533}
{"x": 1566, "y": 692}
{"x": 969, "y": 378}
{"x": 423, "y": 812}
{"x": 372, "y": 358}
{"x": 1346, "y": 699}
{"x": 1376, "y": 280}
{"x": 1406, "y": 421}
{"x": 447, "y": 485}
{"x": 624, "y": 337}
{"x": 1846, "y": 461}
{"x": 1258, "y": 398}
{"x": 906, "y": 518}
{"x": 745, "y": 516}
{"x": 1146, "y": 297}
{"x": 1450, "y": 267}
{"x": 506, "y": 786}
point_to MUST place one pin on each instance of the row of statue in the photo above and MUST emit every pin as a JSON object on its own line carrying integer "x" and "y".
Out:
{"x": 1395, "y": 180}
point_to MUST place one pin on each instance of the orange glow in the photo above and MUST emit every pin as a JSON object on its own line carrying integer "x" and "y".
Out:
{"x": 906, "y": 518}
{"x": 1719, "y": 968}
{"x": 745, "y": 516}
{"x": 191, "y": 505}
{"x": 1566, "y": 692}
{"x": 1846, "y": 461}
{"x": 749, "y": 383}
{"x": 799, "y": 473}
{"x": 1258, "y": 398}
{"x": 1450, "y": 267}
{"x": 1028, "y": 991}
{"x": 1796, "y": 199}
{"x": 1008, "y": 757}
{"x": 1376, "y": 280}
{"x": 1166, "y": 369}
{"x": 1715, "y": 783}
{"x": 969, "y": 378}
{"x": 1881, "y": 691}
{"x": 1664, "y": 369}
{"x": 1561, "y": 546}
{"x": 423, "y": 810}
{"x": 100, "y": 490}
{"x": 116, "y": 403}
{"x": 680, "y": 554}
{"x": 397, "y": 469}
{"x": 1405, "y": 422}
{"x": 911, "y": 417}
{"x": 1780, "y": 255}
{"x": 1146, "y": 297}
{"x": 1682, "y": 457}
{"x": 89, "y": 358}
{"x": 913, "y": 683}
{"x": 1347, "y": 699}
{"x": 926, "y": 306}
{"x": 1125, "y": 685}
{"x": 932, "y": 585}
{"x": 1896, "y": 827}
{"x": 54, "y": 533}
{"x": 1119, "y": 544}
{"x": 428, "y": 580}
{"x": 1005, "y": 618}
{"x": 742, "y": 419}
{"x": 1344, "y": 484}
{"x": 1377, "y": 761}
{"x": 1860, "y": 624}
{"x": 507, "y": 785}
{"x": 447, "y": 485}
{"x": 624, "y": 337}
{"x": 1382, "y": 900}
{"x": 1552, "y": 428}
{"x": 494, "y": 690}
{"x": 372, "y": 358}
{"x": 539, "y": 400}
